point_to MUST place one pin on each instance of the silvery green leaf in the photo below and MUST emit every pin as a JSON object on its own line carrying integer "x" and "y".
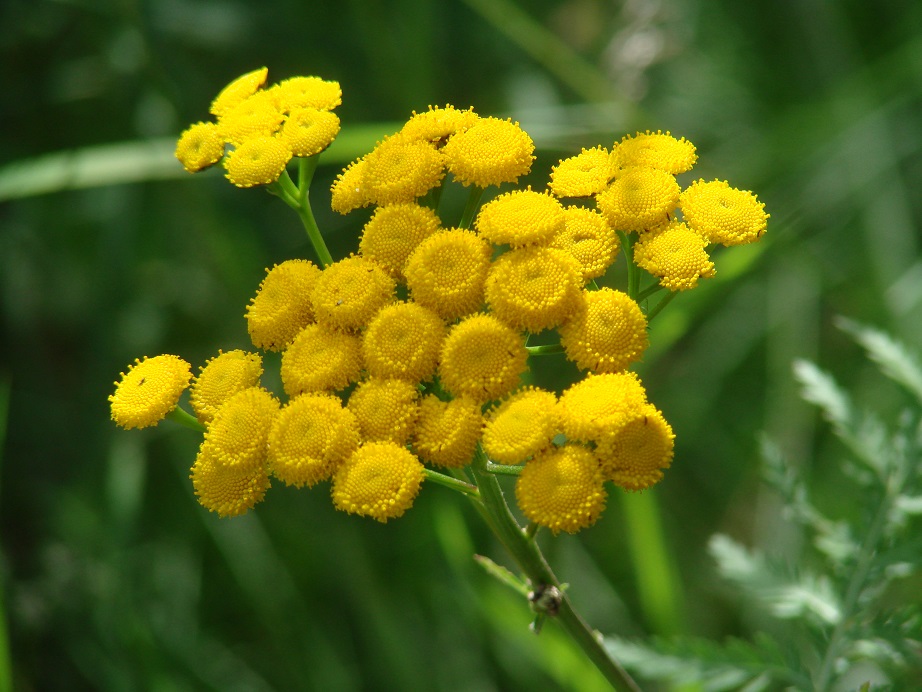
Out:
{"x": 821, "y": 389}
{"x": 894, "y": 359}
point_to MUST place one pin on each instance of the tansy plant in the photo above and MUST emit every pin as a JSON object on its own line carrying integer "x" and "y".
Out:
{"x": 405, "y": 362}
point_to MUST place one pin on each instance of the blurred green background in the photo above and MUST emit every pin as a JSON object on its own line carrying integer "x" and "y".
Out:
{"x": 114, "y": 578}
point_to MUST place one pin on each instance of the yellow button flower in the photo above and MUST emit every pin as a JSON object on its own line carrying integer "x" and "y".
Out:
{"x": 676, "y": 255}
{"x": 149, "y": 391}
{"x": 380, "y": 480}
{"x": 600, "y": 404}
{"x": 282, "y": 305}
{"x": 221, "y": 378}
{"x": 349, "y": 190}
{"x": 403, "y": 340}
{"x": 589, "y": 239}
{"x": 349, "y": 293}
{"x": 639, "y": 198}
{"x": 482, "y": 358}
{"x": 583, "y": 175}
{"x": 521, "y": 426}
{"x": 447, "y": 271}
{"x": 723, "y": 214}
{"x": 400, "y": 170}
{"x": 489, "y": 152}
{"x": 320, "y": 359}
{"x": 309, "y": 92}
{"x": 200, "y": 146}
{"x": 394, "y": 232}
{"x": 519, "y": 218}
{"x": 607, "y": 334}
{"x": 655, "y": 150}
{"x": 239, "y": 90}
{"x": 258, "y": 161}
{"x": 308, "y": 131}
{"x": 312, "y": 435}
{"x": 256, "y": 116}
{"x": 385, "y": 409}
{"x": 635, "y": 456}
{"x": 228, "y": 490}
{"x": 447, "y": 432}
{"x": 436, "y": 124}
{"x": 562, "y": 489}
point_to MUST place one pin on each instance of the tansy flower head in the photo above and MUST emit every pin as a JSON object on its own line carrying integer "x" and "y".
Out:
{"x": 394, "y": 232}
{"x": 447, "y": 431}
{"x": 634, "y": 457}
{"x": 221, "y": 378}
{"x": 520, "y": 217}
{"x": 482, "y": 358}
{"x": 489, "y": 152}
{"x": 600, "y": 404}
{"x": 309, "y": 92}
{"x": 723, "y": 214}
{"x": 607, "y": 334}
{"x": 149, "y": 390}
{"x": 320, "y": 359}
{"x": 308, "y": 131}
{"x": 447, "y": 271}
{"x": 380, "y": 480}
{"x": 310, "y": 437}
{"x": 521, "y": 426}
{"x": 200, "y": 146}
{"x": 349, "y": 190}
{"x": 437, "y": 124}
{"x": 229, "y": 490}
{"x": 676, "y": 255}
{"x": 256, "y": 116}
{"x": 655, "y": 150}
{"x": 239, "y": 429}
{"x": 385, "y": 409}
{"x": 534, "y": 288}
{"x": 349, "y": 293}
{"x": 589, "y": 239}
{"x": 639, "y": 198}
{"x": 400, "y": 170}
{"x": 583, "y": 175}
{"x": 403, "y": 340}
{"x": 282, "y": 305}
{"x": 562, "y": 489}
{"x": 239, "y": 90}
{"x": 258, "y": 161}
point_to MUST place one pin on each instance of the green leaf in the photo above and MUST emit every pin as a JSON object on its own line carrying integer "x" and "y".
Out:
{"x": 893, "y": 358}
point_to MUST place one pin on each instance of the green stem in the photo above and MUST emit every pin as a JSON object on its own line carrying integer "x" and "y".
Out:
{"x": 503, "y": 469}
{"x": 453, "y": 483}
{"x": 531, "y": 561}
{"x": 649, "y": 291}
{"x": 296, "y": 197}
{"x": 658, "y": 308}
{"x": 633, "y": 275}
{"x": 470, "y": 209}
{"x": 183, "y": 417}
{"x": 545, "y": 350}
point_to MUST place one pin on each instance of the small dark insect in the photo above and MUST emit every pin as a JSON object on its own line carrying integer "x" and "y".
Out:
{"x": 142, "y": 381}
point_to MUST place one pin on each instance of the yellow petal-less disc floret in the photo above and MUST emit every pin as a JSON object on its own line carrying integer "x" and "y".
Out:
{"x": 400, "y": 170}
{"x": 380, "y": 480}
{"x": 200, "y": 146}
{"x": 723, "y": 214}
{"x": 403, "y": 341}
{"x": 489, "y": 152}
{"x": 312, "y": 435}
{"x": 447, "y": 432}
{"x": 583, "y": 175}
{"x": 349, "y": 293}
{"x": 256, "y": 116}
{"x": 676, "y": 255}
{"x": 655, "y": 150}
{"x": 607, "y": 334}
{"x": 519, "y": 218}
{"x": 221, "y": 378}
{"x": 562, "y": 488}
{"x": 149, "y": 390}
{"x": 258, "y": 161}
{"x": 320, "y": 358}
{"x": 482, "y": 358}
{"x": 521, "y": 426}
{"x": 385, "y": 409}
{"x": 589, "y": 239}
{"x": 436, "y": 124}
{"x": 229, "y": 490}
{"x": 635, "y": 456}
{"x": 534, "y": 288}
{"x": 600, "y": 404}
{"x": 639, "y": 198}
{"x": 309, "y": 92}
{"x": 282, "y": 305}
{"x": 447, "y": 271}
{"x": 308, "y": 131}
{"x": 349, "y": 190}
{"x": 394, "y": 232}
{"x": 238, "y": 91}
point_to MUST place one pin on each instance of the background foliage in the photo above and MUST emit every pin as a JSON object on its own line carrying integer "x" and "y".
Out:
{"x": 114, "y": 578}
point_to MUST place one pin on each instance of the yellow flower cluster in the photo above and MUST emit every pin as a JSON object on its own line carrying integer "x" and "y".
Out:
{"x": 263, "y": 127}
{"x": 413, "y": 351}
